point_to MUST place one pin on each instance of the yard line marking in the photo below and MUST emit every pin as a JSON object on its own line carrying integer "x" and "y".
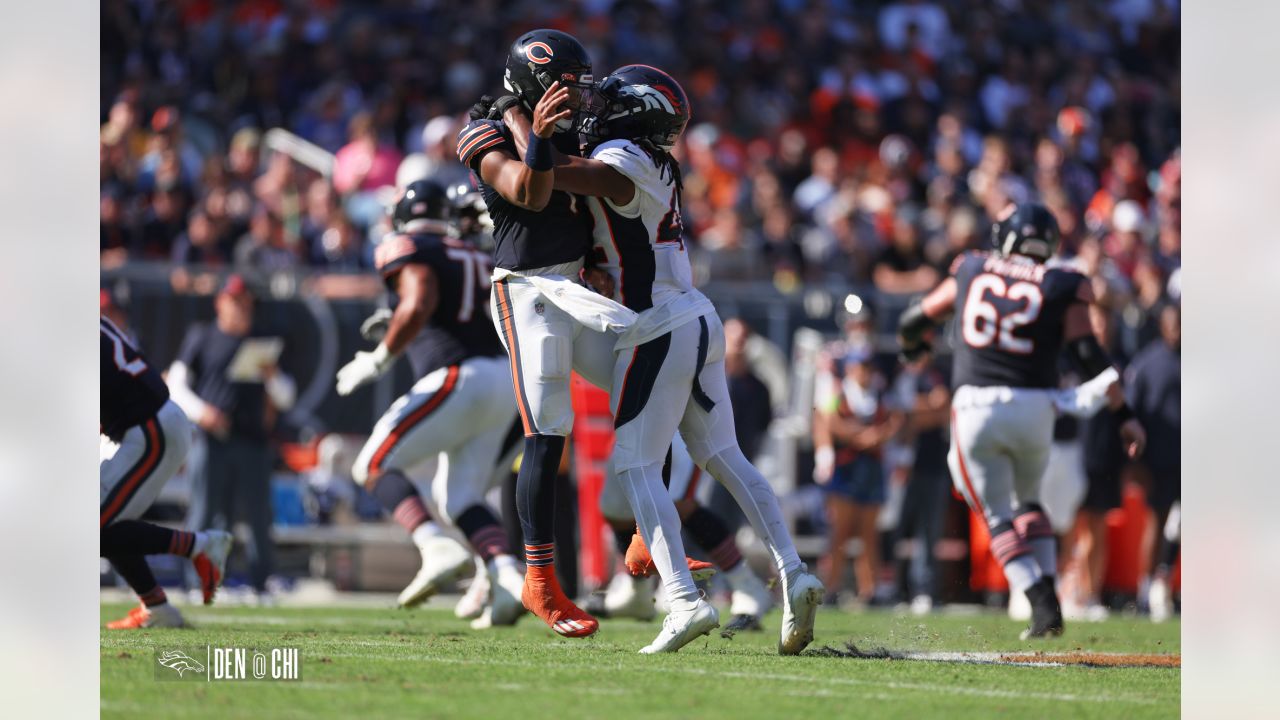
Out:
{"x": 777, "y": 677}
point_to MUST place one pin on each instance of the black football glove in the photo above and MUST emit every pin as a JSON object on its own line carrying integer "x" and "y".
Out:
{"x": 501, "y": 105}
{"x": 914, "y": 351}
{"x": 481, "y": 109}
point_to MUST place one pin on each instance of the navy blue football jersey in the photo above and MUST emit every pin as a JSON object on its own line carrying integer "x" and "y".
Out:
{"x": 460, "y": 328}
{"x": 132, "y": 390}
{"x": 1009, "y": 320}
{"x": 524, "y": 239}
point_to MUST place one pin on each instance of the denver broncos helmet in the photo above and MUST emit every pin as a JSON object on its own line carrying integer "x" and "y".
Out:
{"x": 1030, "y": 230}
{"x": 640, "y": 103}
{"x": 539, "y": 58}
{"x": 424, "y": 205}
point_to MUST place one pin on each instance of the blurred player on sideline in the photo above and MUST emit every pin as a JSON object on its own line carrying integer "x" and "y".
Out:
{"x": 149, "y": 439}
{"x": 1015, "y": 314}
{"x": 459, "y": 411}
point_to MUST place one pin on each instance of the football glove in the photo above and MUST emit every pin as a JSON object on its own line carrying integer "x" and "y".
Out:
{"x": 374, "y": 327}
{"x": 366, "y": 367}
{"x": 482, "y": 108}
{"x": 912, "y": 351}
{"x": 501, "y": 105}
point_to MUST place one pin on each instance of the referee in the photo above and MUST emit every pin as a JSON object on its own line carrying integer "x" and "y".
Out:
{"x": 237, "y": 416}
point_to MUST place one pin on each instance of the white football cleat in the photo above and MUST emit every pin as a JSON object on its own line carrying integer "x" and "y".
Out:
{"x": 630, "y": 597}
{"x": 211, "y": 562}
{"x": 682, "y": 627}
{"x": 801, "y": 598}
{"x": 443, "y": 560}
{"x": 1019, "y": 607}
{"x": 506, "y": 584}
{"x": 472, "y": 603}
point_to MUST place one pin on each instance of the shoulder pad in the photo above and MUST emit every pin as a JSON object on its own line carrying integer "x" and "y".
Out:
{"x": 478, "y": 136}
{"x": 393, "y": 252}
{"x": 962, "y": 258}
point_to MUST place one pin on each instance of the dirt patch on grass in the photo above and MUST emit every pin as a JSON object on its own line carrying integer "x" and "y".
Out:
{"x": 1079, "y": 658}
{"x": 1089, "y": 659}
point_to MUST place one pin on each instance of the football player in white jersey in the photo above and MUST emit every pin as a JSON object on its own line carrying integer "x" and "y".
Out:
{"x": 669, "y": 370}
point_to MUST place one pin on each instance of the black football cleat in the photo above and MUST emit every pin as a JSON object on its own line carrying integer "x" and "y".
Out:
{"x": 1046, "y": 612}
{"x": 741, "y": 623}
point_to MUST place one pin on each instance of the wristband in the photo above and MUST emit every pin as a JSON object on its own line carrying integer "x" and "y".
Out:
{"x": 382, "y": 356}
{"x": 538, "y": 155}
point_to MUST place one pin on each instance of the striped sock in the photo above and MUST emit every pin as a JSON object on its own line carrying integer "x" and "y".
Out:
{"x": 484, "y": 532}
{"x": 182, "y": 543}
{"x": 708, "y": 530}
{"x": 540, "y": 555}
{"x": 726, "y": 555}
{"x": 411, "y": 513}
{"x": 153, "y": 597}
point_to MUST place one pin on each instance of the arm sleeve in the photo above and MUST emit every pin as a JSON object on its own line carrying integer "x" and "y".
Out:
{"x": 478, "y": 137}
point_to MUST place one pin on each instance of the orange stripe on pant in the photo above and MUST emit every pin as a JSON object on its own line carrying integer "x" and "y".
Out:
{"x": 507, "y": 315}
{"x": 412, "y": 419}
{"x": 120, "y": 495}
{"x": 964, "y": 469}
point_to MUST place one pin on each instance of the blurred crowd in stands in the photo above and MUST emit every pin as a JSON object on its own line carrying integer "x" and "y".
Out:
{"x": 841, "y": 143}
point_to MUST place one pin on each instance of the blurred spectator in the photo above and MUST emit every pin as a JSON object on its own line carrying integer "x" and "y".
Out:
{"x": 902, "y": 268}
{"x": 365, "y": 163}
{"x": 161, "y": 224}
{"x": 339, "y": 247}
{"x": 237, "y": 409}
{"x": 928, "y": 414}
{"x": 200, "y": 244}
{"x": 851, "y": 426}
{"x": 1154, "y": 385}
{"x": 116, "y": 237}
{"x": 264, "y": 247}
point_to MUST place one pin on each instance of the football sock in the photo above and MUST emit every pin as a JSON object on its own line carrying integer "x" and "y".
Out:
{"x": 622, "y": 538}
{"x": 426, "y": 531}
{"x": 398, "y": 496}
{"x": 756, "y": 498}
{"x": 536, "y": 489}
{"x": 740, "y": 576}
{"x": 1015, "y": 556}
{"x": 1032, "y": 525}
{"x": 709, "y": 531}
{"x": 484, "y": 532}
{"x": 135, "y": 537}
{"x": 136, "y": 572}
{"x": 660, "y": 526}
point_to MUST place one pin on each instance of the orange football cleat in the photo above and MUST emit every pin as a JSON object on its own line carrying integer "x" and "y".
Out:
{"x": 640, "y": 562}
{"x": 140, "y": 617}
{"x": 211, "y": 564}
{"x": 543, "y": 597}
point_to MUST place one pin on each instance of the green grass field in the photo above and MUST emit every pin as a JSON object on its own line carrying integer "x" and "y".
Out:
{"x": 359, "y": 663}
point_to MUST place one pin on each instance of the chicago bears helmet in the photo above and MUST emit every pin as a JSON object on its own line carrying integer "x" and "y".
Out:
{"x": 1030, "y": 230}
{"x": 424, "y": 206}
{"x": 639, "y": 102}
{"x": 468, "y": 211}
{"x": 539, "y": 58}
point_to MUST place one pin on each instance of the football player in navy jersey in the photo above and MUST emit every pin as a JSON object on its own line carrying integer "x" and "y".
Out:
{"x": 1015, "y": 315}
{"x": 550, "y": 323}
{"x": 459, "y": 412}
{"x": 149, "y": 437}
{"x": 669, "y": 372}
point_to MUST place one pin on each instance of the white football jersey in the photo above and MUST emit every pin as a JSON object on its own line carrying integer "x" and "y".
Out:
{"x": 641, "y": 243}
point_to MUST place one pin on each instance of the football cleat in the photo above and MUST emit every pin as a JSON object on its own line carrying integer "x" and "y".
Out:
{"x": 443, "y": 560}
{"x": 506, "y": 585}
{"x": 211, "y": 562}
{"x": 473, "y": 601}
{"x": 1046, "y": 612}
{"x": 741, "y": 623}
{"x": 630, "y": 597}
{"x": 159, "y": 616}
{"x": 682, "y": 627}
{"x": 801, "y": 598}
{"x": 542, "y": 596}
{"x": 640, "y": 562}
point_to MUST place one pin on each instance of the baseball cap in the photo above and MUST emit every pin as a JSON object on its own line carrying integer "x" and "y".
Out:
{"x": 235, "y": 285}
